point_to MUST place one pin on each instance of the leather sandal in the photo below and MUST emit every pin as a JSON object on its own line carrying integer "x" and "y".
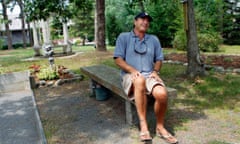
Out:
{"x": 168, "y": 138}
{"x": 145, "y": 136}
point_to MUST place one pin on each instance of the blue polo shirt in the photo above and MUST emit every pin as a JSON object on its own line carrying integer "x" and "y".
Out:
{"x": 140, "y": 54}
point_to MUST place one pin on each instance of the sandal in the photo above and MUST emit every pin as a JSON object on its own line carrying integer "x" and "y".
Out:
{"x": 145, "y": 136}
{"x": 168, "y": 138}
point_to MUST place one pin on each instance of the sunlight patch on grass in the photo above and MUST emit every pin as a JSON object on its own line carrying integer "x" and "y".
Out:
{"x": 230, "y": 49}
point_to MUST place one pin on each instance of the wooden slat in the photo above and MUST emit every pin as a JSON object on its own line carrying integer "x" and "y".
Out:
{"x": 106, "y": 76}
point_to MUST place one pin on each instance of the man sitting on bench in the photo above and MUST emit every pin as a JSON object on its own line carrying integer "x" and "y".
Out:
{"x": 140, "y": 56}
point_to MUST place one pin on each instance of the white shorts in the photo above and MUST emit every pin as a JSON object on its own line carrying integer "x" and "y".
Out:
{"x": 127, "y": 85}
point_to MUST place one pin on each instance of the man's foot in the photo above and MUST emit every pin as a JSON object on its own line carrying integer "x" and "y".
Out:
{"x": 166, "y": 136}
{"x": 145, "y": 136}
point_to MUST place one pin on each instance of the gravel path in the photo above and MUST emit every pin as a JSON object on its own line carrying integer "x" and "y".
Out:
{"x": 71, "y": 116}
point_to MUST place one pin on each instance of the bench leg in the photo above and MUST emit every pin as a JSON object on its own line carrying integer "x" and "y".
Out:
{"x": 131, "y": 114}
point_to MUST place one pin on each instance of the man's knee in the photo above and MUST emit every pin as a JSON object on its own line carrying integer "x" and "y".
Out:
{"x": 139, "y": 81}
{"x": 159, "y": 93}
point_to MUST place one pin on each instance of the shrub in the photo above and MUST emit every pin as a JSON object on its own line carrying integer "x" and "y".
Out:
{"x": 180, "y": 41}
{"x": 15, "y": 46}
{"x": 1, "y": 70}
{"x": 1, "y": 43}
{"x": 47, "y": 74}
{"x": 207, "y": 42}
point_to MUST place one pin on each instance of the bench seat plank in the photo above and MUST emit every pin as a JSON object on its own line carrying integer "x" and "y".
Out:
{"x": 106, "y": 76}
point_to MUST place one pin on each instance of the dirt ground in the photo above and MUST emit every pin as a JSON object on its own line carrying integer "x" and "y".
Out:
{"x": 71, "y": 116}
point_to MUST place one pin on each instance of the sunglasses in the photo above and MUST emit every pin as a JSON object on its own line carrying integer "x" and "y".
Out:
{"x": 140, "y": 48}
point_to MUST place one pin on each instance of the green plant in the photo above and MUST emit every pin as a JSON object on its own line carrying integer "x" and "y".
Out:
{"x": 207, "y": 42}
{"x": 1, "y": 70}
{"x": 227, "y": 59}
{"x": 47, "y": 74}
{"x": 1, "y": 43}
{"x": 180, "y": 42}
{"x": 34, "y": 68}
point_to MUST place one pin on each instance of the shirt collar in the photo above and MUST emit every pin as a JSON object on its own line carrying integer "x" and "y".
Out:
{"x": 146, "y": 36}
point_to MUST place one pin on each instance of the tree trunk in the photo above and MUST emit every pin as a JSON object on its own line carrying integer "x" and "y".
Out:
{"x": 6, "y": 21}
{"x": 195, "y": 65}
{"x": 22, "y": 16}
{"x": 95, "y": 28}
{"x": 30, "y": 34}
{"x": 36, "y": 45}
{"x": 100, "y": 10}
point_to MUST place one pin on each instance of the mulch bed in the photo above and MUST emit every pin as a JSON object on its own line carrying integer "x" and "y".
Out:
{"x": 226, "y": 61}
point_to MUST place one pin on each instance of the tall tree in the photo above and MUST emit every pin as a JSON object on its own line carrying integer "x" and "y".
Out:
{"x": 22, "y": 16}
{"x": 231, "y": 21}
{"x": 6, "y": 22}
{"x": 195, "y": 65}
{"x": 83, "y": 20}
{"x": 100, "y": 29}
{"x": 43, "y": 10}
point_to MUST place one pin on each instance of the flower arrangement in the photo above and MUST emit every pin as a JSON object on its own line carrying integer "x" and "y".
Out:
{"x": 48, "y": 73}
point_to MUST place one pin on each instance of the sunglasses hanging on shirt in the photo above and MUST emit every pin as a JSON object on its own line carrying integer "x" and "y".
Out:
{"x": 140, "y": 47}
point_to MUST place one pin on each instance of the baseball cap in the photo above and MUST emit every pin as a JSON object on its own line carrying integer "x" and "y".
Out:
{"x": 143, "y": 15}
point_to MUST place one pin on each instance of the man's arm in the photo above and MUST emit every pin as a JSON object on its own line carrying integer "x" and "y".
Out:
{"x": 157, "y": 66}
{"x": 124, "y": 66}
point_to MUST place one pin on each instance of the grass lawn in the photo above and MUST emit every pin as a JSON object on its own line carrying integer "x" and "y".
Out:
{"x": 216, "y": 94}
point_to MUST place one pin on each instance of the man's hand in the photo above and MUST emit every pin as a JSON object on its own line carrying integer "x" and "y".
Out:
{"x": 155, "y": 75}
{"x": 135, "y": 74}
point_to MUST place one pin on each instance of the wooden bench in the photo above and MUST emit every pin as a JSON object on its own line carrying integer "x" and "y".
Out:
{"x": 109, "y": 77}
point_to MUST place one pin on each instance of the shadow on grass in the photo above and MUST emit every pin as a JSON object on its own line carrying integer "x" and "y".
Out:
{"x": 210, "y": 92}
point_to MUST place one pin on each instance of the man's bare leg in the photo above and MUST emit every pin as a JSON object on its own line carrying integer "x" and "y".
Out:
{"x": 141, "y": 103}
{"x": 160, "y": 107}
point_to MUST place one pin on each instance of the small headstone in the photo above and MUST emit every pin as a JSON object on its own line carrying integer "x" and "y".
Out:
{"x": 42, "y": 82}
{"x": 236, "y": 70}
{"x": 50, "y": 83}
{"x": 208, "y": 67}
{"x": 219, "y": 69}
{"x": 58, "y": 82}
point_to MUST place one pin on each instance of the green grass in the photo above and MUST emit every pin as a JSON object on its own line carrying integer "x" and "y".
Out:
{"x": 13, "y": 60}
{"x": 227, "y": 49}
{"x": 217, "y": 142}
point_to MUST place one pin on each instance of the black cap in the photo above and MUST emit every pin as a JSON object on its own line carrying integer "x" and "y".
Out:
{"x": 143, "y": 15}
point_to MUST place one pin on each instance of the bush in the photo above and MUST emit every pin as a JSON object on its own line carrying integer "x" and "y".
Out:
{"x": 113, "y": 29}
{"x": 15, "y": 46}
{"x": 180, "y": 41}
{"x": 233, "y": 38}
{"x": 207, "y": 42}
{"x": 47, "y": 74}
{"x": 1, "y": 43}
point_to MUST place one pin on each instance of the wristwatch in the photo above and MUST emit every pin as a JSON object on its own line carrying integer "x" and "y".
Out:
{"x": 156, "y": 71}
